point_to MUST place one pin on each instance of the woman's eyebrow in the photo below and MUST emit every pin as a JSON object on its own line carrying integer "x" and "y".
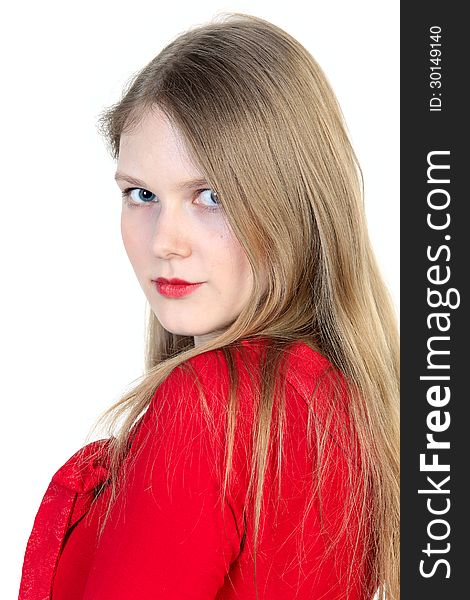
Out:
{"x": 129, "y": 179}
{"x": 183, "y": 185}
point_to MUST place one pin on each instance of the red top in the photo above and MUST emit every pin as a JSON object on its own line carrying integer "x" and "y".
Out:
{"x": 167, "y": 536}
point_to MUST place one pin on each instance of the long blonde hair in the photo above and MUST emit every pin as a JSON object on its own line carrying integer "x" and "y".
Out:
{"x": 265, "y": 129}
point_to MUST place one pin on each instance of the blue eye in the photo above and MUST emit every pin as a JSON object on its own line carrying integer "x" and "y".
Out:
{"x": 141, "y": 197}
{"x": 212, "y": 196}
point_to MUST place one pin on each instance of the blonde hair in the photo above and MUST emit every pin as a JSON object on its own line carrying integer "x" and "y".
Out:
{"x": 265, "y": 129}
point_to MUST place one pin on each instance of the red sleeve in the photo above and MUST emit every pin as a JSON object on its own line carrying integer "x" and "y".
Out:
{"x": 169, "y": 537}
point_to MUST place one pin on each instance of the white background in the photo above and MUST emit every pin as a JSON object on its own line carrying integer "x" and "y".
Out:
{"x": 72, "y": 316}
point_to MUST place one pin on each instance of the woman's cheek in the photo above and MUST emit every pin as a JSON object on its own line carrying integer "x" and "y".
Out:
{"x": 136, "y": 230}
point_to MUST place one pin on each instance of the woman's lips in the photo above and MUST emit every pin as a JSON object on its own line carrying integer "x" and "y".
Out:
{"x": 175, "y": 290}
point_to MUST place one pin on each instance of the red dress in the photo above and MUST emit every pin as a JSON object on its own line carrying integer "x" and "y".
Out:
{"x": 167, "y": 536}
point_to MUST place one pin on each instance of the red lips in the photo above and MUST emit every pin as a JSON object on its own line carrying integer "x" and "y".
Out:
{"x": 175, "y": 288}
{"x": 174, "y": 281}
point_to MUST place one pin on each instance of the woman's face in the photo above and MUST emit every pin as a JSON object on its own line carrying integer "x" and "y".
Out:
{"x": 175, "y": 228}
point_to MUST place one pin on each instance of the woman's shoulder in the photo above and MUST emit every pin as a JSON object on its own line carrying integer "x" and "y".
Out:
{"x": 303, "y": 363}
{"x": 305, "y": 369}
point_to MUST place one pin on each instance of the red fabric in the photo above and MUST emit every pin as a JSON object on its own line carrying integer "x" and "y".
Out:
{"x": 167, "y": 536}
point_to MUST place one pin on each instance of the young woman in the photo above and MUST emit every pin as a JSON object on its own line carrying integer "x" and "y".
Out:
{"x": 258, "y": 456}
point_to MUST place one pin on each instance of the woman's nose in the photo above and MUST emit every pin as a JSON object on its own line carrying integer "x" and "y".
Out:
{"x": 172, "y": 232}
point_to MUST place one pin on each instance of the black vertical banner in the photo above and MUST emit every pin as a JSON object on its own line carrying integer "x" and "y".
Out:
{"x": 435, "y": 269}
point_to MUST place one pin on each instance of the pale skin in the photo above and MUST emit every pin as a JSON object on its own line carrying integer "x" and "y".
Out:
{"x": 174, "y": 231}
